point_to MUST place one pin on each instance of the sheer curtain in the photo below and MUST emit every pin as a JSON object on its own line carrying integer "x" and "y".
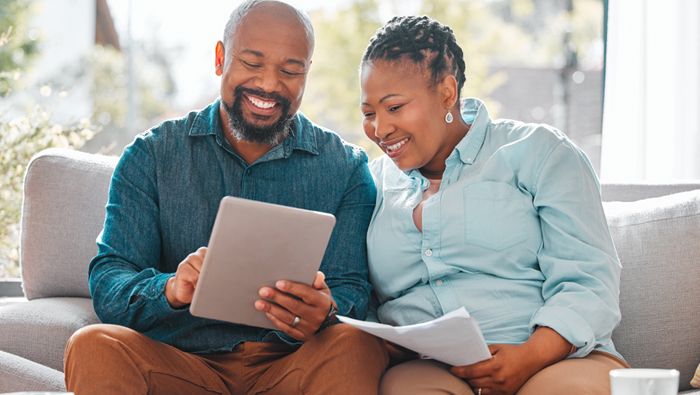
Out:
{"x": 651, "y": 119}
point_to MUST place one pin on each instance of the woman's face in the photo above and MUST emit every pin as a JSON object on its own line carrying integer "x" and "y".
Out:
{"x": 404, "y": 115}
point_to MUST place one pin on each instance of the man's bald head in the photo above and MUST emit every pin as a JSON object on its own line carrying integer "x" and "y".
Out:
{"x": 275, "y": 8}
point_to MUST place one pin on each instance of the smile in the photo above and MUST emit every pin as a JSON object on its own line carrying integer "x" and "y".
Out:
{"x": 395, "y": 147}
{"x": 265, "y": 105}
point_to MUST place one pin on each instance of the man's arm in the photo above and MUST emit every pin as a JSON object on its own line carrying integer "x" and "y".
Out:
{"x": 126, "y": 286}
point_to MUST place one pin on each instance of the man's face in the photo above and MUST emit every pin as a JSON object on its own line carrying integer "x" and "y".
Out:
{"x": 263, "y": 71}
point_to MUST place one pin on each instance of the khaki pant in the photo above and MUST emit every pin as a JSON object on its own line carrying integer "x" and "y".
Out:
{"x": 579, "y": 376}
{"x": 111, "y": 359}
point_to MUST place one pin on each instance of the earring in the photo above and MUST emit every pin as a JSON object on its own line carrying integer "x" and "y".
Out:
{"x": 449, "y": 118}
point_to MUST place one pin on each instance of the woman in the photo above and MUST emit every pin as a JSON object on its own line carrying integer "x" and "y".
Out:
{"x": 501, "y": 217}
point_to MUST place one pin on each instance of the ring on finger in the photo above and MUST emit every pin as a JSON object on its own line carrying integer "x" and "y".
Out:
{"x": 296, "y": 321}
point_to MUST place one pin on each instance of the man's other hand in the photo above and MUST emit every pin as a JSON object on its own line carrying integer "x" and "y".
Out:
{"x": 180, "y": 288}
{"x": 311, "y": 306}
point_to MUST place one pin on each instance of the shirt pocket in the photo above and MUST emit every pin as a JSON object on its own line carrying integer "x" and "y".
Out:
{"x": 494, "y": 216}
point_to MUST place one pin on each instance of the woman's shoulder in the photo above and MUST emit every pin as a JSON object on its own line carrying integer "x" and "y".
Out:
{"x": 537, "y": 133}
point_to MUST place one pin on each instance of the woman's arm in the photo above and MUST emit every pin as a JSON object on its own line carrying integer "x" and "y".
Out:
{"x": 511, "y": 366}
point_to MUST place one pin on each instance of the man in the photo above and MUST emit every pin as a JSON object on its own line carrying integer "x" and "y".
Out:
{"x": 163, "y": 199}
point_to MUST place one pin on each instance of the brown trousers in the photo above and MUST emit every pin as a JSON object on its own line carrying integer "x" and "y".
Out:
{"x": 576, "y": 376}
{"x": 111, "y": 359}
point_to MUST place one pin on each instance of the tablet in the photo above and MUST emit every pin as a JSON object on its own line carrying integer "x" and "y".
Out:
{"x": 255, "y": 244}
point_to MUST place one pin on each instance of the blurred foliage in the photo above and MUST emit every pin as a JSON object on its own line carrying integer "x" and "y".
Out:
{"x": 156, "y": 86}
{"x": 20, "y": 45}
{"x": 527, "y": 33}
{"x": 20, "y": 139}
{"x": 105, "y": 70}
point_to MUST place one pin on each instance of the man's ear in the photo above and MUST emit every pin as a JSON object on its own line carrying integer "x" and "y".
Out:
{"x": 219, "y": 58}
{"x": 448, "y": 90}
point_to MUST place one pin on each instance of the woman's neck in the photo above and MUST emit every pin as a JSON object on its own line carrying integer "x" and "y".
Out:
{"x": 436, "y": 167}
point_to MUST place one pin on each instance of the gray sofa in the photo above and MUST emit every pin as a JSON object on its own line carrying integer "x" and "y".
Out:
{"x": 656, "y": 229}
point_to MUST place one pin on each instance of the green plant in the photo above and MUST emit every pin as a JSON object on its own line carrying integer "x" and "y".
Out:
{"x": 20, "y": 139}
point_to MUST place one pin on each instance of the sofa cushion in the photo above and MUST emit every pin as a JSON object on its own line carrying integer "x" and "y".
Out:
{"x": 19, "y": 374}
{"x": 62, "y": 214}
{"x": 658, "y": 243}
{"x": 39, "y": 330}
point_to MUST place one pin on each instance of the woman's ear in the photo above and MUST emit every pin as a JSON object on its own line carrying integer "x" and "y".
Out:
{"x": 449, "y": 91}
{"x": 219, "y": 58}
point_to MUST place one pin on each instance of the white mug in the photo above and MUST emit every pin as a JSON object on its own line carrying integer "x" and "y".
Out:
{"x": 644, "y": 381}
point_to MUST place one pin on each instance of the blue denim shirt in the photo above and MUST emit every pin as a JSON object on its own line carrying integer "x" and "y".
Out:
{"x": 164, "y": 196}
{"x": 516, "y": 234}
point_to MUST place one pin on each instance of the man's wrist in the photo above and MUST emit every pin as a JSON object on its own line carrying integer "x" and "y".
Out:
{"x": 330, "y": 318}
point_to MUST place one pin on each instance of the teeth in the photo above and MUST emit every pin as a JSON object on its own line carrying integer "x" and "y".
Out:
{"x": 396, "y": 146}
{"x": 260, "y": 103}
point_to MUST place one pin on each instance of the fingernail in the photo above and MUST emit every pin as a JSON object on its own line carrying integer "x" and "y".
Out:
{"x": 259, "y": 305}
{"x": 265, "y": 293}
{"x": 282, "y": 285}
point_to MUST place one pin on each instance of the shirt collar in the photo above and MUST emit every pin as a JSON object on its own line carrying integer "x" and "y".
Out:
{"x": 208, "y": 122}
{"x": 473, "y": 111}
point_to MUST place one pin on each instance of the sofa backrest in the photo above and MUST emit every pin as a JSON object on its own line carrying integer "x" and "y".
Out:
{"x": 65, "y": 193}
{"x": 629, "y": 192}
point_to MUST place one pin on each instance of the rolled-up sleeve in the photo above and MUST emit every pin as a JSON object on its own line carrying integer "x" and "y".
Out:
{"x": 577, "y": 256}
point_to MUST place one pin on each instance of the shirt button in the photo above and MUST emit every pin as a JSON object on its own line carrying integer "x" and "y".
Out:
{"x": 428, "y": 252}
{"x": 469, "y": 160}
{"x": 438, "y": 283}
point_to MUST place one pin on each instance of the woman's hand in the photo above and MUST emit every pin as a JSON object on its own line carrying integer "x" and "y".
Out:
{"x": 511, "y": 366}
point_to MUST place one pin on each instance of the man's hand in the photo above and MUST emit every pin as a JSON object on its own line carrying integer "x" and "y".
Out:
{"x": 180, "y": 288}
{"x": 511, "y": 366}
{"x": 311, "y": 305}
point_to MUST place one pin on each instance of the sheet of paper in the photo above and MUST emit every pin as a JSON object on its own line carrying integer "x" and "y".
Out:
{"x": 454, "y": 338}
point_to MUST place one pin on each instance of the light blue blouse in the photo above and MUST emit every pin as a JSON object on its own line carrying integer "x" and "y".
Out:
{"x": 516, "y": 234}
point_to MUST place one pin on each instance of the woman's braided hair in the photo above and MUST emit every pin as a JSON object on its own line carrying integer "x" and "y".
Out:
{"x": 416, "y": 38}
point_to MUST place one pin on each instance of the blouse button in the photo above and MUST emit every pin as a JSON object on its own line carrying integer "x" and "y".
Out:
{"x": 428, "y": 252}
{"x": 438, "y": 283}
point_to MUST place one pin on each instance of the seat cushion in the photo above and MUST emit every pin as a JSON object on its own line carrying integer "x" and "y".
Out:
{"x": 65, "y": 193}
{"x": 658, "y": 243}
{"x": 19, "y": 374}
{"x": 39, "y": 330}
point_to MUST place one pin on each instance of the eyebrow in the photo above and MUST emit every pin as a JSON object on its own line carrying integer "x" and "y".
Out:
{"x": 261, "y": 55}
{"x": 383, "y": 98}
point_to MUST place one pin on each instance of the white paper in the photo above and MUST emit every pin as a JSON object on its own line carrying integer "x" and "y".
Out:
{"x": 455, "y": 338}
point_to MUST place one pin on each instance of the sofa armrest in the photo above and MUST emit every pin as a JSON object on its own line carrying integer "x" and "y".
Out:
{"x": 658, "y": 243}
{"x": 19, "y": 374}
{"x": 65, "y": 193}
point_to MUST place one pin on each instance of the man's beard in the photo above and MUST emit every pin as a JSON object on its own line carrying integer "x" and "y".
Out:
{"x": 244, "y": 130}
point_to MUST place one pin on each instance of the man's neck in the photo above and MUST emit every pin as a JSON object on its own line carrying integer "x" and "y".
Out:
{"x": 250, "y": 152}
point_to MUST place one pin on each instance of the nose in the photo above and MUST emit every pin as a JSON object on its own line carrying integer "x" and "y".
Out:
{"x": 267, "y": 80}
{"x": 382, "y": 126}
